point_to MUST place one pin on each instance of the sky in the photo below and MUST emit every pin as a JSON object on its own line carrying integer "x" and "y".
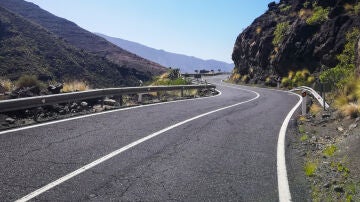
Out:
{"x": 205, "y": 29}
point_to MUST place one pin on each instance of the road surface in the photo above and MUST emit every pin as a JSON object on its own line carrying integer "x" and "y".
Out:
{"x": 228, "y": 153}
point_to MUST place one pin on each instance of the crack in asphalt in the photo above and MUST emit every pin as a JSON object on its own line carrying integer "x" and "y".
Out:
{"x": 56, "y": 142}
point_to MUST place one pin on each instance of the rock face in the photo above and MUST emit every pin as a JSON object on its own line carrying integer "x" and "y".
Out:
{"x": 303, "y": 44}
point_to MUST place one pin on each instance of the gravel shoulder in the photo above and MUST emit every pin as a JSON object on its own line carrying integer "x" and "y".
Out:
{"x": 329, "y": 146}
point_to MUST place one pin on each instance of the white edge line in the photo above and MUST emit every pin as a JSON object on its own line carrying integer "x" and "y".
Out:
{"x": 116, "y": 152}
{"x": 101, "y": 113}
{"x": 283, "y": 182}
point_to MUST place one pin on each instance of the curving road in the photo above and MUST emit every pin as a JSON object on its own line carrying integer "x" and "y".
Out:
{"x": 221, "y": 148}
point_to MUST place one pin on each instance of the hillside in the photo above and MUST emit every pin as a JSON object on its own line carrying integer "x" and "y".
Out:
{"x": 80, "y": 38}
{"x": 294, "y": 35}
{"x": 27, "y": 48}
{"x": 167, "y": 59}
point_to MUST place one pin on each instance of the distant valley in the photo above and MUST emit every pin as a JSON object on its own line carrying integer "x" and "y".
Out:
{"x": 186, "y": 63}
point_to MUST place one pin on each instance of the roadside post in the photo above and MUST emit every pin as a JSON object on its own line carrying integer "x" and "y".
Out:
{"x": 278, "y": 80}
{"x": 303, "y": 106}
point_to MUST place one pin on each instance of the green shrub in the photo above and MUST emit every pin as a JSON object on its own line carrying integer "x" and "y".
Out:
{"x": 285, "y": 9}
{"x": 330, "y": 150}
{"x": 357, "y": 8}
{"x": 319, "y": 15}
{"x": 169, "y": 82}
{"x": 280, "y": 32}
{"x": 310, "y": 168}
{"x": 343, "y": 73}
{"x": 286, "y": 82}
{"x": 245, "y": 79}
{"x": 28, "y": 81}
{"x": 306, "y": 4}
{"x": 304, "y": 137}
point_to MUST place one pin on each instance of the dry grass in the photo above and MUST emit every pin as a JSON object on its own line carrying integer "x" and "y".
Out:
{"x": 315, "y": 109}
{"x": 305, "y": 13}
{"x": 348, "y": 7}
{"x": 7, "y": 84}
{"x": 258, "y": 30}
{"x": 28, "y": 81}
{"x": 73, "y": 86}
{"x": 350, "y": 110}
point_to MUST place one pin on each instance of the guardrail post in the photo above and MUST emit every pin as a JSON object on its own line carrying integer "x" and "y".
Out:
{"x": 102, "y": 102}
{"x": 304, "y": 101}
{"x": 121, "y": 100}
{"x": 182, "y": 92}
{"x": 140, "y": 98}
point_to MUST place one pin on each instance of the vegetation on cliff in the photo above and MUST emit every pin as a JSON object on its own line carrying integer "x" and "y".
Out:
{"x": 295, "y": 35}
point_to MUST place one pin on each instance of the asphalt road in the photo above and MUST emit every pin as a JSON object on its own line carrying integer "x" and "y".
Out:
{"x": 227, "y": 155}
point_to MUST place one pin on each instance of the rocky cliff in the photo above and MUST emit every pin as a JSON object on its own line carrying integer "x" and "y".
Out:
{"x": 293, "y": 35}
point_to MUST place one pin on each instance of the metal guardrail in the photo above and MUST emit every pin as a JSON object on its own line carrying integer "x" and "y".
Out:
{"x": 38, "y": 101}
{"x": 315, "y": 94}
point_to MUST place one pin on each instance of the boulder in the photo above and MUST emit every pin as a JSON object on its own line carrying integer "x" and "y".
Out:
{"x": 10, "y": 120}
{"x": 110, "y": 102}
{"x": 55, "y": 89}
{"x": 25, "y": 92}
{"x": 83, "y": 104}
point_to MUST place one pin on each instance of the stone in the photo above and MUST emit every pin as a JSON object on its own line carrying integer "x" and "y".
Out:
{"x": 10, "y": 120}
{"x": 341, "y": 129}
{"x": 84, "y": 104}
{"x": 62, "y": 112}
{"x": 110, "y": 102}
{"x": 55, "y": 89}
{"x": 324, "y": 116}
{"x": 339, "y": 189}
{"x": 73, "y": 105}
{"x": 327, "y": 185}
{"x": 352, "y": 126}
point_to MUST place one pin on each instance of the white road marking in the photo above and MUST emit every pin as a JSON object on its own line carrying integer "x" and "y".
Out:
{"x": 283, "y": 182}
{"x": 117, "y": 152}
{"x": 100, "y": 113}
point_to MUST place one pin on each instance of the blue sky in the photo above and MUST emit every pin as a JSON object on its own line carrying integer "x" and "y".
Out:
{"x": 202, "y": 28}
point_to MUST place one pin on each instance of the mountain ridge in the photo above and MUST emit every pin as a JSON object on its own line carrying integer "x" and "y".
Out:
{"x": 79, "y": 37}
{"x": 28, "y": 48}
{"x": 186, "y": 63}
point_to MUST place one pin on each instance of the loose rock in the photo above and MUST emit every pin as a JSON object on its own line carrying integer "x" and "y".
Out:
{"x": 10, "y": 120}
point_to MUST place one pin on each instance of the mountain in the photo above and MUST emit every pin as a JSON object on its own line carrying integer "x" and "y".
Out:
{"x": 28, "y": 48}
{"x": 184, "y": 62}
{"x": 293, "y": 35}
{"x": 80, "y": 38}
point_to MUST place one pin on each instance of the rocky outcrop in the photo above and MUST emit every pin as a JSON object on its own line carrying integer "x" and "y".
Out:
{"x": 303, "y": 43}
